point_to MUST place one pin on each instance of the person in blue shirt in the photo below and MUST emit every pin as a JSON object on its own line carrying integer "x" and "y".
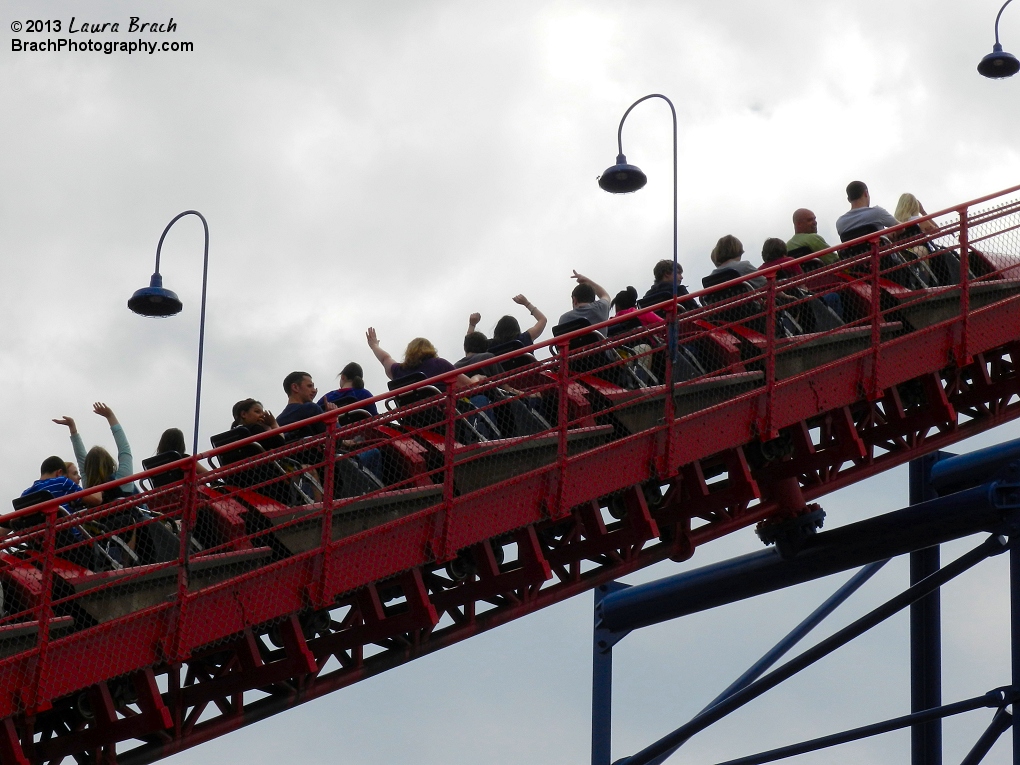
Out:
{"x": 352, "y": 388}
{"x": 53, "y": 478}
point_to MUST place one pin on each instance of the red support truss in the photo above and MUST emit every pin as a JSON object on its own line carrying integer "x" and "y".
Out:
{"x": 299, "y": 567}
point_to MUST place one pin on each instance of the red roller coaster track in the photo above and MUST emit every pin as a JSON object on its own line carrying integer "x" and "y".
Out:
{"x": 208, "y": 602}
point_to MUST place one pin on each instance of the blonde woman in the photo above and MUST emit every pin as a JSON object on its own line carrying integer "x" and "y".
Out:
{"x": 909, "y": 207}
{"x": 419, "y": 356}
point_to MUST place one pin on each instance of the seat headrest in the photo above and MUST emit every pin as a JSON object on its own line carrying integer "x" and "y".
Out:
{"x": 402, "y": 382}
{"x": 718, "y": 277}
{"x": 570, "y": 326}
{"x": 35, "y": 498}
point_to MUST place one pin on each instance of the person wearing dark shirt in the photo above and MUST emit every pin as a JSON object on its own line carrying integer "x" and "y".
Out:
{"x": 301, "y": 406}
{"x": 251, "y": 415}
{"x": 419, "y": 356}
{"x": 662, "y": 288}
{"x": 508, "y": 328}
{"x": 476, "y": 348}
{"x": 352, "y": 388}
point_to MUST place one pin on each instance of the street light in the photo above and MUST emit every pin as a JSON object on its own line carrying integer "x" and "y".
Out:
{"x": 155, "y": 301}
{"x": 998, "y": 63}
{"x": 623, "y": 178}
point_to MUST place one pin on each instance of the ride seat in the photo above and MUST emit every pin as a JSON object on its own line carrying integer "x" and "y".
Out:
{"x": 270, "y": 478}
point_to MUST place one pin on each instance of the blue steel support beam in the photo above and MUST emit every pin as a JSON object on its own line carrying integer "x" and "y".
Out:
{"x": 925, "y": 630}
{"x": 795, "y": 636}
{"x": 990, "y": 699}
{"x": 1014, "y": 636}
{"x": 799, "y": 632}
{"x": 1000, "y": 722}
{"x": 602, "y": 681}
{"x": 955, "y": 472}
{"x": 994, "y": 545}
{"x": 983, "y": 508}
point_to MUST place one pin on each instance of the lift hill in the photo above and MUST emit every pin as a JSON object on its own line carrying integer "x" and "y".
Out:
{"x": 149, "y": 625}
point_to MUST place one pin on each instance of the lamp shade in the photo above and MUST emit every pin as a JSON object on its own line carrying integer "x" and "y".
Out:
{"x": 155, "y": 301}
{"x": 998, "y": 64}
{"x": 622, "y": 178}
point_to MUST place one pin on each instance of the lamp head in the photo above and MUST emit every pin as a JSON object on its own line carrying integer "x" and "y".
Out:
{"x": 998, "y": 64}
{"x": 154, "y": 301}
{"x": 622, "y": 178}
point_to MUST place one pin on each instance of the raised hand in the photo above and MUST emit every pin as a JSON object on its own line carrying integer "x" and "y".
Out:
{"x": 104, "y": 411}
{"x": 67, "y": 422}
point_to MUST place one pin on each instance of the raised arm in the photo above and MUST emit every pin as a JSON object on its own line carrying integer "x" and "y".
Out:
{"x": 125, "y": 461}
{"x": 385, "y": 359}
{"x": 540, "y": 320}
{"x": 599, "y": 291}
{"x": 76, "y": 443}
{"x": 473, "y": 320}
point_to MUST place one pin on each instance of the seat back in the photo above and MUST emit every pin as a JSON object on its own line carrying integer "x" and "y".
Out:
{"x": 32, "y": 519}
{"x": 750, "y": 313}
{"x": 515, "y": 363}
{"x": 607, "y": 365}
{"x": 167, "y": 476}
{"x": 624, "y": 327}
{"x": 234, "y": 455}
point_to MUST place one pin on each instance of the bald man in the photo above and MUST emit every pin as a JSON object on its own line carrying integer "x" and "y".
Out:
{"x": 805, "y": 228}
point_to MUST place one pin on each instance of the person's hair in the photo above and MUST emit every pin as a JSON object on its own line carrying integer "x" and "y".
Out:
{"x": 294, "y": 378}
{"x": 664, "y": 268}
{"x": 506, "y": 329}
{"x": 172, "y": 440}
{"x": 67, "y": 467}
{"x": 727, "y": 248}
{"x": 626, "y": 298}
{"x": 855, "y": 190}
{"x": 52, "y": 465}
{"x": 773, "y": 249}
{"x": 583, "y": 293}
{"x": 475, "y": 342}
{"x": 243, "y": 406}
{"x": 907, "y": 207}
{"x": 99, "y": 466}
{"x": 418, "y": 351}
{"x": 355, "y": 374}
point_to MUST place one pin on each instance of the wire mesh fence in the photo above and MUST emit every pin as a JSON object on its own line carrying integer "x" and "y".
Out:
{"x": 297, "y": 522}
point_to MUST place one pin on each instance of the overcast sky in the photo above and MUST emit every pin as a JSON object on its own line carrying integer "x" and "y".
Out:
{"x": 402, "y": 164}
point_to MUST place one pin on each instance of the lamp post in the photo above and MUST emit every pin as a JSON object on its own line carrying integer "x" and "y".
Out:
{"x": 623, "y": 178}
{"x": 998, "y": 63}
{"x": 157, "y": 302}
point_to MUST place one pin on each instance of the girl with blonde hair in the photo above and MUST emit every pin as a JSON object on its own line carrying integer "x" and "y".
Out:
{"x": 909, "y": 207}
{"x": 98, "y": 466}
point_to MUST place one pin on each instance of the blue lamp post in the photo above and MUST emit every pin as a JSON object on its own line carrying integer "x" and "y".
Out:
{"x": 623, "y": 178}
{"x": 156, "y": 302}
{"x": 998, "y": 63}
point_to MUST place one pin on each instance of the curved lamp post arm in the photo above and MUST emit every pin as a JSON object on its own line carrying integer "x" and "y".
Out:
{"x": 621, "y": 161}
{"x": 201, "y": 321}
{"x": 997, "y": 17}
